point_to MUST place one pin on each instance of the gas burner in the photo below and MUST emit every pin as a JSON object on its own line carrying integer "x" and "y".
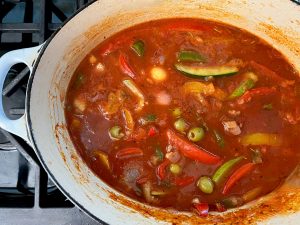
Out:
{"x": 25, "y": 189}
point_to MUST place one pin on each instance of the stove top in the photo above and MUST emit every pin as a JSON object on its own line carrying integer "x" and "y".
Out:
{"x": 27, "y": 194}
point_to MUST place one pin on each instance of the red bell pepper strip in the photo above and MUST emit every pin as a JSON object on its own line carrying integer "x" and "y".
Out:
{"x": 271, "y": 74}
{"x": 126, "y": 153}
{"x": 161, "y": 169}
{"x": 110, "y": 48}
{"x": 152, "y": 132}
{"x": 192, "y": 151}
{"x": 255, "y": 92}
{"x": 237, "y": 175}
{"x": 125, "y": 67}
{"x": 184, "y": 181}
{"x": 202, "y": 209}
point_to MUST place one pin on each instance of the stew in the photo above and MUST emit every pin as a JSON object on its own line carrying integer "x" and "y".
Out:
{"x": 186, "y": 113}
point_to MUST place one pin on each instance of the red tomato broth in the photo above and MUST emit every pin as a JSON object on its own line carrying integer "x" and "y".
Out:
{"x": 220, "y": 44}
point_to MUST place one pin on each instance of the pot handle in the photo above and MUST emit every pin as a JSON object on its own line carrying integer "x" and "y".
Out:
{"x": 26, "y": 56}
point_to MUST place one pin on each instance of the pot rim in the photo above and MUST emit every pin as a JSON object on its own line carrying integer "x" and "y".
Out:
{"x": 30, "y": 132}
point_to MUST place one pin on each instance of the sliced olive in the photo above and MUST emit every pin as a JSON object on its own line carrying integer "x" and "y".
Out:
{"x": 206, "y": 185}
{"x": 196, "y": 134}
{"x": 116, "y": 132}
{"x": 175, "y": 168}
{"x": 180, "y": 125}
{"x": 176, "y": 112}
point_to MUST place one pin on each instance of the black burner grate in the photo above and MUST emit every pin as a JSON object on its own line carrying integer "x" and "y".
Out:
{"x": 27, "y": 195}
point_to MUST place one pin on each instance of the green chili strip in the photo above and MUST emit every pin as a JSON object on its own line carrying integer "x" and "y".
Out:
{"x": 159, "y": 153}
{"x": 219, "y": 139}
{"x": 190, "y": 56}
{"x": 223, "y": 170}
{"x": 247, "y": 83}
{"x": 268, "y": 106}
{"x": 80, "y": 79}
{"x": 242, "y": 88}
{"x": 151, "y": 118}
{"x": 139, "y": 47}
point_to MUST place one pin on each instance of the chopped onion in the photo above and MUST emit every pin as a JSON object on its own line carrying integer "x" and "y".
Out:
{"x": 173, "y": 156}
{"x": 232, "y": 127}
{"x": 79, "y": 104}
{"x": 100, "y": 67}
{"x": 163, "y": 98}
{"x": 195, "y": 201}
{"x": 234, "y": 112}
{"x": 146, "y": 189}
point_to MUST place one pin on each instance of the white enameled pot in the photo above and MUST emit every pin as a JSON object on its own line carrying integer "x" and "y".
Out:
{"x": 53, "y": 63}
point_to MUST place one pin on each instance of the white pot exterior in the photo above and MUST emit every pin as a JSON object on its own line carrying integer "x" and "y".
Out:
{"x": 63, "y": 53}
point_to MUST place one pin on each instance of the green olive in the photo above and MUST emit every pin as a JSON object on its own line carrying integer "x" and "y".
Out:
{"x": 176, "y": 112}
{"x": 175, "y": 168}
{"x": 180, "y": 125}
{"x": 116, "y": 132}
{"x": 205, "y": 184}
{"x": 196, "y": 134}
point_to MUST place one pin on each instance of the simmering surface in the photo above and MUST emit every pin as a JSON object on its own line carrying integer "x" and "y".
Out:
{"x": 185, "y": 113}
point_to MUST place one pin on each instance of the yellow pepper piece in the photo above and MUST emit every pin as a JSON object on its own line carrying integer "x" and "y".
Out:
{"x": 207, "y": 89}
{"x": 129, "y": 120}
{"x": 262, "y": 139}
{"x": 137, "y": 92}
{"x": 104, "y": 159}
{"x": 194, "y": 87}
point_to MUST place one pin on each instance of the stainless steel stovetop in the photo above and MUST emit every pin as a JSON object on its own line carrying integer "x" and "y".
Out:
{"x": 27, "y": 195}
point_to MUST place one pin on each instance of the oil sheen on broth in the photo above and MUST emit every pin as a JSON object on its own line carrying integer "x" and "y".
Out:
{"x": 186, "y": 113}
